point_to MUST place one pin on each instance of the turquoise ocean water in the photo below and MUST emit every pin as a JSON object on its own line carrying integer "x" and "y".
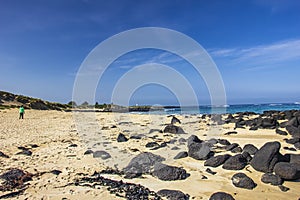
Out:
{"x": 257, "y": 108}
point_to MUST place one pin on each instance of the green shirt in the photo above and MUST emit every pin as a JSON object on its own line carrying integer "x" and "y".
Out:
{"x": 22, "y": 110}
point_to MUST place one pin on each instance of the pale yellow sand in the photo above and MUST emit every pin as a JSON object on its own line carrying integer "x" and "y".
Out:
{"x": 54, "y": 131}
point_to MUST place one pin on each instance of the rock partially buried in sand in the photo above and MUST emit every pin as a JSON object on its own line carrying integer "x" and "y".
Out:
{"x": 101, "y": 154}
{"x": 287, "y": 171}
{"x": 180, "y": 155}
{"x": 173, "y": 129}
{"x": 122, "y": 138}
{"x": 241, "y": 180}
{"x": 272, "y": 179}
{"x": 266, "y": 157}
{"x": 25, "y": 152}
{"x": 173, "y": 194}
{"x": 142, "y": 163}
{"x": 216, "y": 161}
{"x": 3, "y": 155}
{"x": 221, "y": 196}
{"x": 175, "y": 120}
{"x": 169, "y": 173}
{"x": 236, "y": 162}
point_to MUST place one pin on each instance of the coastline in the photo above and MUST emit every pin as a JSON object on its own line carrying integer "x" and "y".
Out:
{"x": 61, "y": 146}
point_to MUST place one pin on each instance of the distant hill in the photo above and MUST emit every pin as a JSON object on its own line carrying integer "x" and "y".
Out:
{"x": 9, "y": 100}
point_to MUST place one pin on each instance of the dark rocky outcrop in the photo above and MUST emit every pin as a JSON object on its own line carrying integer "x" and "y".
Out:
{"x": 142, "y": 163}
{"x": 272, "y": 179}
{"x": 216, "y": 160}
{"x": 266, "y": 157}
{"x": 241, "y": 180}
{"x": 169, "y": 173}
{"x": 173, "y": 194}
{"x": 173, "y": 129}
{"x": 236, "y": 162}
{"x": 221, "y": 196}
{"x": 287, "y": 171}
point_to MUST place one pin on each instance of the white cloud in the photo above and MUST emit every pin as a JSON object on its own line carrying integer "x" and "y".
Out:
{"x": 260, "y": 56}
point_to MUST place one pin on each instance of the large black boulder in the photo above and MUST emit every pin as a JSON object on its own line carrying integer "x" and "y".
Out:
{"x": 250, "y": 148}
{"x": 272, "y": 179}
{"x": 173, "y": 194}
{"x": 295, "y": 158}
{"x": 221, "y": 196}
{"x": 236, "y": 162}
{"x": 173, "y": 129}
{"x": 241, "y": 180}
{"x": 142, "y": 163}
{"x": 200, "y": 151}
{"x": 169, "y": 173}
{"x": 266, "y": 157}
{"x": 287, "y": 171}
{"x": 216, "y": 160}
{"x": 193, "y": 139}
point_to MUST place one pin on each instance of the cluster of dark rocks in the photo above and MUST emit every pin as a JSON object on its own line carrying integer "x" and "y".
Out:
{"x": 15, "y": 181}
{"x": 126, "y": 190}
{"x": 276, "y": 167}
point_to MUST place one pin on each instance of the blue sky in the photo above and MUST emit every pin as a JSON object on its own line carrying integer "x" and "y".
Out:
{"x": 255, "y": 44}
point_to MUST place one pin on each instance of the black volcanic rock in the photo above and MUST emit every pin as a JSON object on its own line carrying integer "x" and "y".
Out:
{"x": 175, "y": 120}
{"x": 122, "y": 138}
{"x": 224, "y": 142}
{"x": 200, "y": 151}
{"x": 287, "y": 171}
{"x": 216, "y": 160}
{"x": 169, "y": 173}
{"x": 250, "y": 148}
{"x": 173, "y": 194}
{"x": 193, "y": 139}
{"x": 297, "y": 145}
{"x": 280, "y": 132}
{"x": 292, "y": 140}
{"x": 173, "y": 129}
{"x": 221, "y": 196}
{"x": 241, "y": 180}
{"x": 266, "y": 157}
{"x": 101, "y": 154}
{"x": 231, "y": 146}
{"x": 236, "y": 162}
{"x": 180, "y": 155}
{"x": 272, "y": 179}
{"x": 142, "y": 163}
{"x": 295, "y": 158}
{"x": 3, "y": 155}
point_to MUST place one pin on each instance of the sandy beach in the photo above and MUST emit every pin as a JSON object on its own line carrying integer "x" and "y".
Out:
{"x": 58, "y": 141}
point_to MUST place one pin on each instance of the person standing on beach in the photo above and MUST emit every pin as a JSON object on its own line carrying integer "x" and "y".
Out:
{"x": 21, "y": 111}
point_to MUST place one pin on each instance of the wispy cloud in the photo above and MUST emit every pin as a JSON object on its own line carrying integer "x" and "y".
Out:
{"x": 260, "y": 56}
